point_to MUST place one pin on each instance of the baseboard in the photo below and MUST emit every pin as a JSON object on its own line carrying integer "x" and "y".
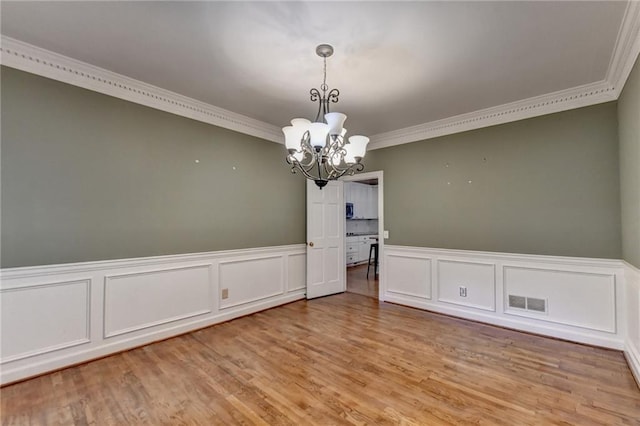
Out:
{"x": 632, "y": 355}
{"x": 572, "y": 336}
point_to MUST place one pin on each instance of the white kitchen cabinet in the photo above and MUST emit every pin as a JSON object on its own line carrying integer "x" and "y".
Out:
{"x": 364, "y": 250}
{"x": 353, "y": 247}
{"x": 373, "y": 202}
{"x": 364, "y": 198}
{"x": 353, "y": 250}
{"x": 348, "y": 198}
{"x": 359, "y": 200}
{"x": 357, "y": 250}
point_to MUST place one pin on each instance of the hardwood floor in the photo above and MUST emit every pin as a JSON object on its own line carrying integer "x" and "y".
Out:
{"x": 343, "y": 359}
{"x": 359, "y": 283}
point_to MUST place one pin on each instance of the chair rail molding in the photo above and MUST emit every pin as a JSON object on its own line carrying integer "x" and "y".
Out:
{"x": 55, "y": 316}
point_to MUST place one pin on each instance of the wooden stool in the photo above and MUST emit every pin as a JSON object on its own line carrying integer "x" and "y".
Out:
{"x": 373, "y": 251}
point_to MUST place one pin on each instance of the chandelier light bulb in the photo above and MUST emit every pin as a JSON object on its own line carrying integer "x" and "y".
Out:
{"x": 358, "y": 145}
{"x": 318, "y": 133}
{"x": 301, "y": 123}
{"x": 335, "y": 120}
{"x": 292, "y": 138}
{"x": 349, "y": 158}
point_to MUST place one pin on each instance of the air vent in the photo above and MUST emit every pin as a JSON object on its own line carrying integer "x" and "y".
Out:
{"x": 528, "y": 303}
{"x": 519, "y": 302}
{"x": 538, "y": 305}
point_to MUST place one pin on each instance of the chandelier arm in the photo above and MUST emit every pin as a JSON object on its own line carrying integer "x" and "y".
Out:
{"x": 305, "y": 170}
{"x": 339, "y": 175}
{"x": 330, "y": 170}
{"x": 328, "y": 147}
{"x": 316, "y": 97}
{"x": 333, "y": 96}
{"x": 293, "y": 161}
{"x": 319, "y": 163}
{"x": 307, "y": 164}
{"x": 307, "y": 174}
{"x": 307, "y": 149}
{"x": 351, "y": 170}
{"x": 295, "y": 165}
{"x": 337, "y": 170}
{"x": 315, "y": 94}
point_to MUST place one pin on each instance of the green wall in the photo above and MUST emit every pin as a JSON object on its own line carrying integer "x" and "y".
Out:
{"x": 629, "y": 132}
{"x": 547, "y": 185}
{"x": 90, "y": 177}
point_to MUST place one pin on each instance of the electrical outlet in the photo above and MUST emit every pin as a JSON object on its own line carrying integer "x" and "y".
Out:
{"x": 225, "y": 293}
{"x": 463, "y": 291}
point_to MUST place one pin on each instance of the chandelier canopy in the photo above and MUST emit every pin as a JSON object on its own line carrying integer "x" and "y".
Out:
{"x": 319, "y": 150}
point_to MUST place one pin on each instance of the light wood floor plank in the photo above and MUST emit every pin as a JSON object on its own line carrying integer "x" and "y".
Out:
{"x": 344, "y": 359}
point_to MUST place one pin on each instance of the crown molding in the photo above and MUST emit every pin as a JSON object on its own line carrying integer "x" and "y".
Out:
{"x": 26, "y": 57}
{"x": 29, "y": 58}
{"x": 563, "y": 100}
{"x": 624, "y": 56}
{"x": 626, "y": 49}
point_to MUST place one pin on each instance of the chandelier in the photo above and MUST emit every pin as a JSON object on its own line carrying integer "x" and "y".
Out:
{"x": 319, "y": 150}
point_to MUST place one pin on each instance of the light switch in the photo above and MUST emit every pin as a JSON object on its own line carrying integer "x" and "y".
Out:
{"x": 386, "y": 234}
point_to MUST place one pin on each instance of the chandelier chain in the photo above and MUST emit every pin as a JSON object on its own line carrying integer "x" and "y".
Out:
{"x": 324, "y": 86}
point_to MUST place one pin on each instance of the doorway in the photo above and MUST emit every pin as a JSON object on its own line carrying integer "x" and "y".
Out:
{"x": 364, "y": 231}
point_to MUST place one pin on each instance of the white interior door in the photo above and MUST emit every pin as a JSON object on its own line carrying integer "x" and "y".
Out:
{"x": 325, "y": 239}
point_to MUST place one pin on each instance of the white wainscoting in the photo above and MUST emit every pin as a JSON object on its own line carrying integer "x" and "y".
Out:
{"x": 59, "y": 315}
{"x": 252, "y": 279}
{"x": 297, "y": 272}
{"x": 412, "y": 276}
{"x": 584, "y": 297}
{"x": 479, "y": 280}
{"x": 632, "y": 297}
{"x": 56, "y": 315}
{"x": 576, "y": 298}
{"x": 167, "y": 295}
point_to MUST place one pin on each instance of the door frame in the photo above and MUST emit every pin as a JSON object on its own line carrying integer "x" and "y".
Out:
{"x": 363, "y": 176}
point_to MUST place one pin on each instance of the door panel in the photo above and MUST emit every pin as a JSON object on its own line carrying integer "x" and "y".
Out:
{"x": 325, "y": 239}
{"x": 315, "y": 222}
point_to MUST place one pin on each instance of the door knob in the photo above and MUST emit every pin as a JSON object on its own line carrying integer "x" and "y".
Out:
{"x": 311, "y": 244}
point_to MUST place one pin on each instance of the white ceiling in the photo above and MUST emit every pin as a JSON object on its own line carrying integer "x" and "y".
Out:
{"x": 397, "y": 64}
